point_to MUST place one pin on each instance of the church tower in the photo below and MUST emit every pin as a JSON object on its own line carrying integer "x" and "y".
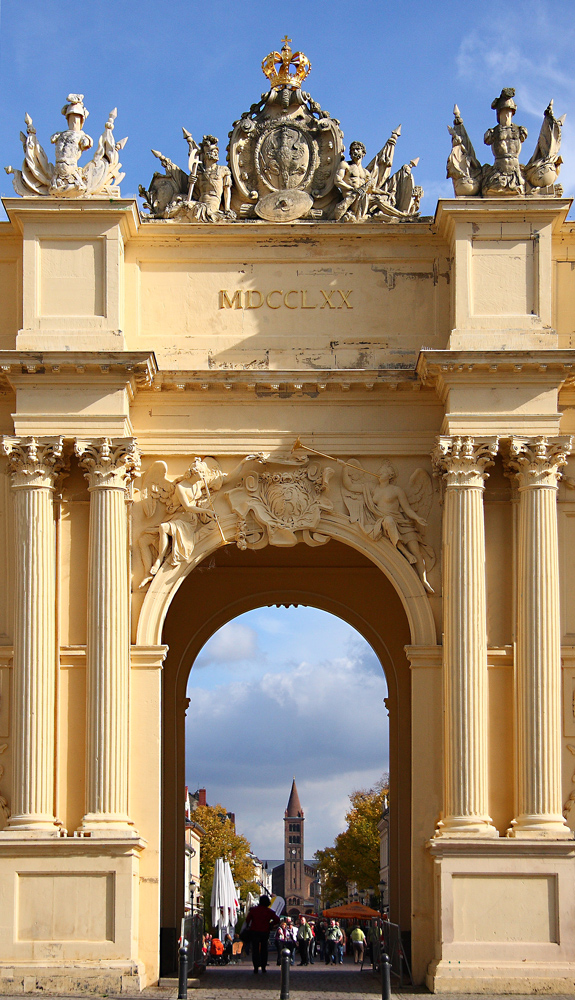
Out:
{"x": 294, "y": 880}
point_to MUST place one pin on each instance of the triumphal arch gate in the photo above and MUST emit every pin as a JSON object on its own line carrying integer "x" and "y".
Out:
{"x": 277, "y": 382}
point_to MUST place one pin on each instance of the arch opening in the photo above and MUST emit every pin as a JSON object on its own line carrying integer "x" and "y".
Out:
{"x": 335, "y": 578}
{"x": 281, "y": 692}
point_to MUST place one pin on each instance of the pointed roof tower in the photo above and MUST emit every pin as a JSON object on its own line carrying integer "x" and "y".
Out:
{"x": 294, "y": 805}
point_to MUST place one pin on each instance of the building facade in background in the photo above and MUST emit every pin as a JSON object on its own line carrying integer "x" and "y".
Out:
{"x": 281, "y": 371}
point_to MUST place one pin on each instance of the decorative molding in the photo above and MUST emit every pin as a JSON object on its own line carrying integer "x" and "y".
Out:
{"x": 34, "y": 462}
{"x": 462, "y": 461}
{"x": 536, "y": 462}
{"x": 110, "y": 463}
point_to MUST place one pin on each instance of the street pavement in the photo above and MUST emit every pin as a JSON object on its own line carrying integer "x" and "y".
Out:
{"x": 314, "y": 982}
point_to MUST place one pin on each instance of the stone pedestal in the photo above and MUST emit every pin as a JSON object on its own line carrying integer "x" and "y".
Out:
{"x": 536, "y": 465}
{"x": 462, "y": 462}
{"x": 34, "y": 464}
{"x": 110, "y": 465}
{"x": 504, "y": 916}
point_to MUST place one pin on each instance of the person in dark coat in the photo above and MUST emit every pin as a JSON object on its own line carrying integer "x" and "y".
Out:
{"x": 260, "y": 920}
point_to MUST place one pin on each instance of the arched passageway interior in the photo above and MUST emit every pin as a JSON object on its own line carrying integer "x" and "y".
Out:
{"x": 334, "y": 578}
{"x": 281, "y": 692}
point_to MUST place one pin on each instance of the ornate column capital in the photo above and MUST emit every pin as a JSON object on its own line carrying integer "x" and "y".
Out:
{"x": 462, "y": 461}
{"x": 536, "y": 462}
{"x": 34, "y": 462}
{"x": 110, "y": 463}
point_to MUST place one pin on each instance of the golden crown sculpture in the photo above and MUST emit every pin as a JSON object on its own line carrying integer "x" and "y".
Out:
{"x": 276, "y": 67}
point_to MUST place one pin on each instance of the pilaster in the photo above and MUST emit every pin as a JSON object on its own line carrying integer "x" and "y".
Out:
{"x": 110, "y": 466}
{"x": 462, "y": 463}
{"x": 34, "y": 464}
{"x": 536, "y": 463}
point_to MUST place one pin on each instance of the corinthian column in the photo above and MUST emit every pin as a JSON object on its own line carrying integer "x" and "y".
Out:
{"x": 462, "y": 462}
{"x": 536, "y": 463}
{"x": 34, "y": 464}
{"x": 110, "y": 465}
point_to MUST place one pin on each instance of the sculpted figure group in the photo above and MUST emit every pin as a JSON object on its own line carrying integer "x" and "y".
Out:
{"x": 286, "y": 161}
{"x": 282, "y": 504}
{"x": 66, "y": 178}
{"x": 506, "y": 176}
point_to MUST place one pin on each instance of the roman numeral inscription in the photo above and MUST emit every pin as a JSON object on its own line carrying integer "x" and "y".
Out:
{"x": 294, "y": 298}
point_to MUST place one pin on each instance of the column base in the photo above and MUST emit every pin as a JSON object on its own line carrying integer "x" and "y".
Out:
{"x": 32, "y": 826}
{"x": 543, "y": 827}
{"x": 107, "y": 826}
{"x": 477, "y": 827}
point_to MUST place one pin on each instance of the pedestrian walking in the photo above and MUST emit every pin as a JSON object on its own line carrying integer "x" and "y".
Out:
{"x": 280, "y": 939}
{"x": 320, "y": 939}
{"x": 358, "y": 943}
{"x": 340, "y": 946}
{"x": 291, "y": 938}
{"x": 304, "y": 937}
{"x": 332, "y": 935}
{"x": 260, "y": 921}
{"x": 312, "y": 944}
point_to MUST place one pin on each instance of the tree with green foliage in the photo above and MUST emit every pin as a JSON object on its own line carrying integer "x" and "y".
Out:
{"x": 355, "y": 854}
{"x": 220, "y": 840}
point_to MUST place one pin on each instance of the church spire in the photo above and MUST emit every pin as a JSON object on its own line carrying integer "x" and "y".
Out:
{"x": 294, "y": 805}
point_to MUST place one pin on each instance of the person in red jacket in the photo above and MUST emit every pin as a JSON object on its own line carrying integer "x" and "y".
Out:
{"x": 261, "y": 920}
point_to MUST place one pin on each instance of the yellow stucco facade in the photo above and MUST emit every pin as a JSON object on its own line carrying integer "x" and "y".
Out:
{"x": 445, "y": 347}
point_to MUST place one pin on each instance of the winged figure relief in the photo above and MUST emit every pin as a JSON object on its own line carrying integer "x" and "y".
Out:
{"x": 382, "y": 509}
{"x": 178, "y": 507}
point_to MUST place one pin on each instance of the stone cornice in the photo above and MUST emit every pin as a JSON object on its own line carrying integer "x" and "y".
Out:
{"x": 123, "y": 211}
{"x": 136, "y": 369}
{"x": 445, "y": 369}
{"x": 281, "y": 383}
{"x": 543, "y": 208}
{"x": 500, "y": 847}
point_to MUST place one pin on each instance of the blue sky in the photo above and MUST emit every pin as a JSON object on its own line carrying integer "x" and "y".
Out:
{"x": 280, "y": 692}
{"x": 374, "y": 65}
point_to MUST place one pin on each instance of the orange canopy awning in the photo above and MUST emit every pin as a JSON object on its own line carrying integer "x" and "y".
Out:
{"x": 351, "y": 911}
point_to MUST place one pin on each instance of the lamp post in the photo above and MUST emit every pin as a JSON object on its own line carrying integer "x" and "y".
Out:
{"x": 382, "y": 887}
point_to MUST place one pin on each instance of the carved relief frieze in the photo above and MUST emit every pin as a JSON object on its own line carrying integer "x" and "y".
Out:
{"x": 279, "y": 500}
{"x": 273, "y": 506}
{"x": 383, "y": 510}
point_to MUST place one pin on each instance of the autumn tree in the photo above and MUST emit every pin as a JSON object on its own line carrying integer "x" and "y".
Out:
{"x": 220, "y": 840}
{"x": 355, "y": 854}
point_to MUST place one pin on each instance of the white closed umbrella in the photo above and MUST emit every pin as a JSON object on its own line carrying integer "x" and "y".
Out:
{"x": 232, "y": 902}
{"x": 217, "y": 897}
{"x": 224, "y": 900}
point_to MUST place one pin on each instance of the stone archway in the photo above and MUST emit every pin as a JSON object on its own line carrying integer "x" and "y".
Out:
{"x": 337, "y": 578}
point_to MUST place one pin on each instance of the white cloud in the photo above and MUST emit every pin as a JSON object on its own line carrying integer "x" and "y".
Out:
{"x": 230, "y": 644}
{"x": 320, "y": 719}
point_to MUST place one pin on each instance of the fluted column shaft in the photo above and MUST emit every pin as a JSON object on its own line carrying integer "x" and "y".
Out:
{"x": 536, "y": 464}
{"x": 110, "y": 466}
{"x": 34, "y": 464}
{"x": 462, "y": 462}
